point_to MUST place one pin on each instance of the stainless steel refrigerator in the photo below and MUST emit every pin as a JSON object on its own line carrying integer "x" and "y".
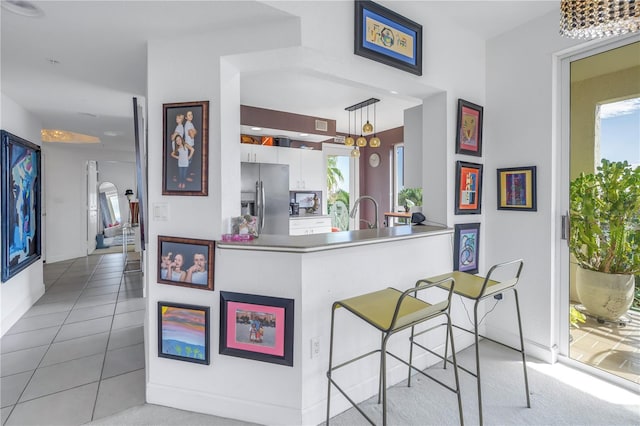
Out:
{"x": 265, "y": 194}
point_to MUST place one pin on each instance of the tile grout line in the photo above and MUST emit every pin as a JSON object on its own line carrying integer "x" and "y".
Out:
{"x": 54, "y": 337}
{"x": 104, "y": 359}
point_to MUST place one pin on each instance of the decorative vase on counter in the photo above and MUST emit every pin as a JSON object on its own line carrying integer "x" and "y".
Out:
{"x": 605, "y": 296}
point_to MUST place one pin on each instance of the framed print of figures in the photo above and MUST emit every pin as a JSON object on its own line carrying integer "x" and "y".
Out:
{"x": 21, "y": 244}
{"x": 256, "y": 327}
{"x": 183, "y": 332}
{"x": 186, "y": 262}
{"x": 517, "y": 188}
{"x": 469, "y": 130}
{"x": 185, "y": 148}
{"x": 468, "y": 188}
{"x": 385, "y": 36}
{"x": 466, "y": 247}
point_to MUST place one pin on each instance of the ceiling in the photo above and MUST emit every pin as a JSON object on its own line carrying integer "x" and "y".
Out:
{"x": 78, "y": 66}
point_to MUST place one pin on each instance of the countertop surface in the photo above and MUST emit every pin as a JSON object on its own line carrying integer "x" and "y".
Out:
{"x": 334, "y": 240}
{"x": 309, "y": 216}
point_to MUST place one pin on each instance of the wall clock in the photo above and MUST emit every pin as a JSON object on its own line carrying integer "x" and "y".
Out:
{"x": 374, "y": 159}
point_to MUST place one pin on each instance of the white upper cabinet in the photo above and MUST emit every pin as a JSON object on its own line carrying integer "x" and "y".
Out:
{"x": 306, "y": 169}
{"x": 250, "y": 153}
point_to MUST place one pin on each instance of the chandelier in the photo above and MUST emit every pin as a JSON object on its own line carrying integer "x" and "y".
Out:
{"x": 598, "y": 18}
{"x": 368, "y": 127}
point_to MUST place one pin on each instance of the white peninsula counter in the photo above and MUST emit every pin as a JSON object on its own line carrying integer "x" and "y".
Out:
{"x": 313, "y": 271}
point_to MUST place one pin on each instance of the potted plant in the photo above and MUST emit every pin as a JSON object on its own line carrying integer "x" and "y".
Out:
{"x": 605, "y": 237}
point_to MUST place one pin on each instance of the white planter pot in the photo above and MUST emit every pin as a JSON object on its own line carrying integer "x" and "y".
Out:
{"x": 605, "y": 296}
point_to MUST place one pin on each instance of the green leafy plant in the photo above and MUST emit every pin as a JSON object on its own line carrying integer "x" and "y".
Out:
{"x": 410, "y": 197}
{"x": 575, "y": 317}
{"x": 605, "y": 219}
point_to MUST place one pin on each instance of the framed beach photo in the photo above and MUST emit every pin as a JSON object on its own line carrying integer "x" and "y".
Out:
{"x": 183, "y": 332}
{"x": 256, "y": 327}
{"x": 466, "y": 247}
{"x": 185, "y": 148}
{"x": 21, "y": 204}
{"x": 517, "y": 188}
{"x": 186, "y": 262}
{"x": 387, "y": 37}
{"x": 468, "y": 188}
{"x": 469, "y": 130}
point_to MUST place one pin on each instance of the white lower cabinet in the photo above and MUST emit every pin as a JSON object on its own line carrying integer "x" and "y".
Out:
{"x": 309, "y": 225}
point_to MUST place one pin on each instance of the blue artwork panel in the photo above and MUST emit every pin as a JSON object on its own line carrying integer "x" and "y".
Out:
{"x": 20, "y": 204}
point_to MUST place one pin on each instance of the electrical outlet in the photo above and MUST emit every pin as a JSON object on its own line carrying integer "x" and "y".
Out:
{"x": 315, "y": 347}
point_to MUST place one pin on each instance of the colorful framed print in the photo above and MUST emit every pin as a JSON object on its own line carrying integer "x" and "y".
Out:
{"x": 185, "y": 148}
{"x": 468, "y": 188}
{"x": 256, "y": 327}
{"x": 183, "y": 332}
{"x": 385, "y": 36}
{"x": 517, "y": 188}
{"x": 186, "y": 262}
{"x": 466, "y": 247}
{"x": 21, "y": 243}
{"x": 469, "y": 130}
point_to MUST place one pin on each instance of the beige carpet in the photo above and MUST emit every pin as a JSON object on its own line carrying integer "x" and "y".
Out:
{"x": 559, "y": 396}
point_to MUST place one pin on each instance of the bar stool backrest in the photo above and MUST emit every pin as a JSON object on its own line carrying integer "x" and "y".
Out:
{"x": 491, "y": 286}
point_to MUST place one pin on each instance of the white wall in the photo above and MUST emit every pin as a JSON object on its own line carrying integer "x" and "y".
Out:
{"x": 214, "y": 76}
{"x": 520, "y": 130}
{"x": 21, "y": 291}
{"x": 66, "y": 196}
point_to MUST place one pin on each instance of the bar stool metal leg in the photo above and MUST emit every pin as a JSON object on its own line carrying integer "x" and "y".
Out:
{"x": 524, "y": 361}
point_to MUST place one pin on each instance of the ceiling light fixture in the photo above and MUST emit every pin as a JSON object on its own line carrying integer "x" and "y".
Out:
{"x": 22, "y": 8}
{"x": 587, "y": 19}
{"x": 65, "y": 136}
{"x": 368, "y": 127}
{"x": 256, "y": 128}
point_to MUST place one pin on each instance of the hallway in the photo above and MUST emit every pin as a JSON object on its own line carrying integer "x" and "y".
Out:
{"x": 78, "y": 353}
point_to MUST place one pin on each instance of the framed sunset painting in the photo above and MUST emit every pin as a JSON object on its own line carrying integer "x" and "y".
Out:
{"x": 183, "y": 332}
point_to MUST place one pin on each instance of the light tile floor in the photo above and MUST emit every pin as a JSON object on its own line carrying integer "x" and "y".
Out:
{"x": 78, "y": 353}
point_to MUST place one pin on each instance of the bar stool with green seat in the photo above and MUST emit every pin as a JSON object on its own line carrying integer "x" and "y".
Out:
{"x": 392, "y": 311}
{"x": 477, "y": 288}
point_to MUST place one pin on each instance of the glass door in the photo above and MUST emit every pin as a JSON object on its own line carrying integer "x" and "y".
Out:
{"x": 342, "y": 185}
{"x": 604, "y": 115}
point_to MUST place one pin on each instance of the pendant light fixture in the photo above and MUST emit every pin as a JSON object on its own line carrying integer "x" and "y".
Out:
{"x": 374, "y": 142}
{"x": 361, "y": 141}
{"x": 368, "y": 127}
{"x": 349, "y": 141}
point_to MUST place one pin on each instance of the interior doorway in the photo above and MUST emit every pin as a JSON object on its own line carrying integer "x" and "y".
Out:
{"x": 604, "y": 95}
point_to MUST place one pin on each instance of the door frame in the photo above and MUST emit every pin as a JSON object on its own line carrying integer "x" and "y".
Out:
{"x": 562, "y": 123}
{"x": 329, "y": 149}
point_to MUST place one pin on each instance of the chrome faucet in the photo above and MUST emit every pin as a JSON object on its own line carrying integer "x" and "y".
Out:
{"x": 356, "y": 203}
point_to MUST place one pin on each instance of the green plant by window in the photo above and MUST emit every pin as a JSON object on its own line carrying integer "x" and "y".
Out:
{"x": 410, "y": 197}
{"x": 605, "y": 215}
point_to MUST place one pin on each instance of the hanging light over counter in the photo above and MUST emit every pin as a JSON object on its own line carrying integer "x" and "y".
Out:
{"x": 367, "y": 128}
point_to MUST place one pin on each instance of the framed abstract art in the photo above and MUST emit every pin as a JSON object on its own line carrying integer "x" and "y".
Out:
{"x": 517, "y": 188}
{"x": 469, "y": 129}
{"x": 468, "y": 188}
{"x": 466, "y": 247}
{"x": 387, "y": 37}
{"x": 21, "y": 204}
